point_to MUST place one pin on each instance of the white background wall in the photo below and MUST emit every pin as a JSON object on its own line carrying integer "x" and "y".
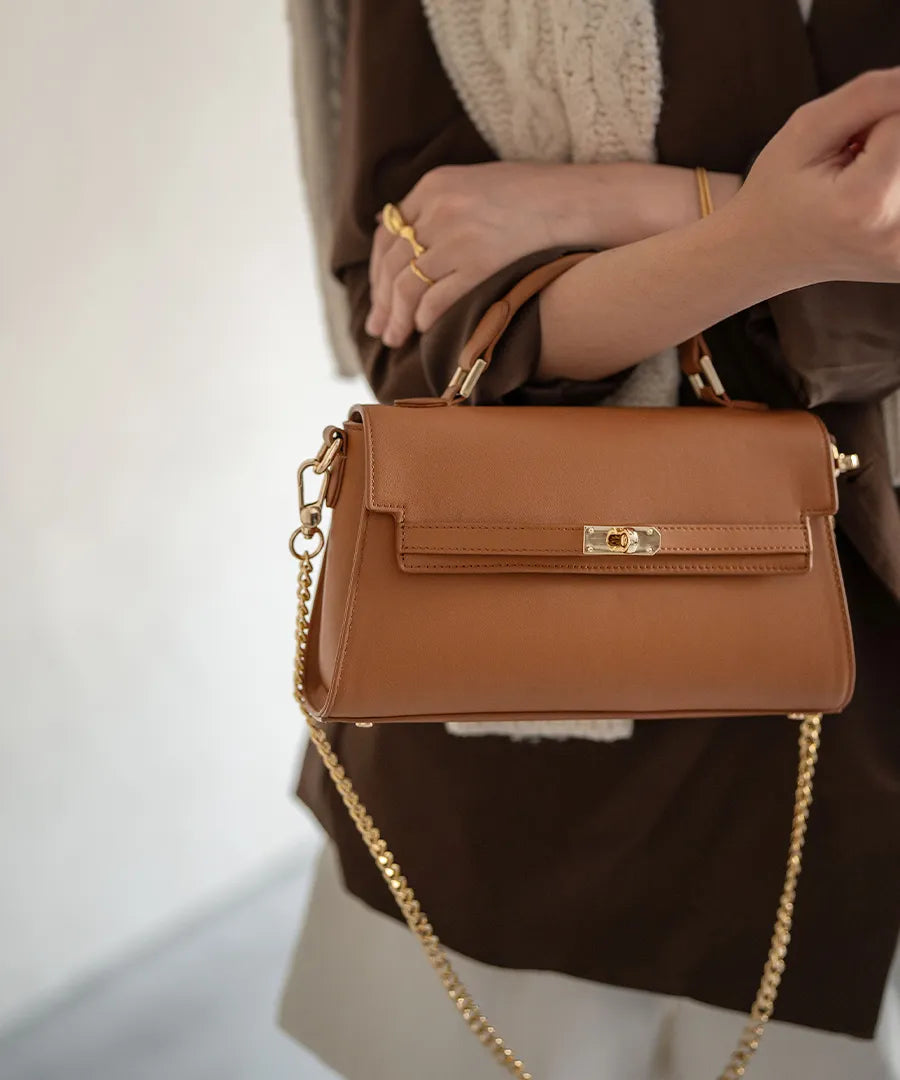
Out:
{"x": 163, "y": 372}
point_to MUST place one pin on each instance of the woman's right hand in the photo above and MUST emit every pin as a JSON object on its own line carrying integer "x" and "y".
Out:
{"x": 832, "y": 212}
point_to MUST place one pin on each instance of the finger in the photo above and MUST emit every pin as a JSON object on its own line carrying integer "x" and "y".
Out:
{"x": 435, "y": 264}
{"x": 439, "y": 298}
{"x": 406, "y": 295}
{"x": 853, "y": 108}
{"x": 392, "y": 263}
{"x": 380, "y": 245}
{"x": 882, "y": 147}
{"x": 412, "y": 204}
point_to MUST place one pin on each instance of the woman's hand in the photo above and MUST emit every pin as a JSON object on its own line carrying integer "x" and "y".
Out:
{"x": 475, "y": 219}
{"x": 825, "y": 192}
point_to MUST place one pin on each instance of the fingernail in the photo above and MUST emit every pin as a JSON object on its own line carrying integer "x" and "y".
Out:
{"x": 373, "y": 327}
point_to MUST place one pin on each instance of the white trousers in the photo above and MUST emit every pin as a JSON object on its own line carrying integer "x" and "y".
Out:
{"x": 361, "y": 997}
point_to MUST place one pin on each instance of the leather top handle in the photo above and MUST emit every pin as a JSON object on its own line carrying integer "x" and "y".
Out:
{"x": 477, "y": 353}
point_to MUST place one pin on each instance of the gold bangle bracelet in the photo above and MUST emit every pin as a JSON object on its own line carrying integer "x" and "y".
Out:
{"x": 704, "y": 191}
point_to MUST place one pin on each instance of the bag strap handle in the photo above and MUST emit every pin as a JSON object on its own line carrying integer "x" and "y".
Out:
{"x": 477, "y": 353}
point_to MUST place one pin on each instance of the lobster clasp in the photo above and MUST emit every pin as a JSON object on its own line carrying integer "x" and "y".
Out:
{"x": 311, "y": 509}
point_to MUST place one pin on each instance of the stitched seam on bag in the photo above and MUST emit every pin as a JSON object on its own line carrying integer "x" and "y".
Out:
{"x": 559, "y": 528}
{"x": 826, "y": 444}
{"x": 750, "y": 549}
{"x": 845, "y": 616}
{"x": 605, "y": 569}
{"x": 345, "y": 631}
{"x": 369, "y": 431}
{"x": 777, "y": 549}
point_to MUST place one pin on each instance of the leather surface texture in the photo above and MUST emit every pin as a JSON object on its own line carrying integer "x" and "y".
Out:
{"x": 455, "y": 584}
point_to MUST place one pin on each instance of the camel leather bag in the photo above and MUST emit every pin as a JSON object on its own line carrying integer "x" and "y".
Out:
{"x": 541, "y": 563}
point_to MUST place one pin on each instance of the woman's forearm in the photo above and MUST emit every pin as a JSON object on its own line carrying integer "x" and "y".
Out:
{"x": 620, "y": 306}
{"x": 607, "y": 205}
{"x": 473, "y": 220}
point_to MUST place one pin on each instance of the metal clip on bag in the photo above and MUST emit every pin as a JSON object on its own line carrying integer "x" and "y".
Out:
{"x": 552, "y": 562}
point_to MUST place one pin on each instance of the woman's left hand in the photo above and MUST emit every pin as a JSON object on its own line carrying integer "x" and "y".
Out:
{"x": 473, "y": 220}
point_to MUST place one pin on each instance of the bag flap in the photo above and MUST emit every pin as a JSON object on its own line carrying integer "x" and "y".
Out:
{"x": 517, "y": 488}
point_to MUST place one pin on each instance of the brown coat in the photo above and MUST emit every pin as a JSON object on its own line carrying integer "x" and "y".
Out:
{"x": 656, "y": 862}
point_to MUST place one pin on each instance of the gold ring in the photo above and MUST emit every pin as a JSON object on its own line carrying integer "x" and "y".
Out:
{"x": 392, "y": 218}
{"x": 420, "y": 274}
{"x": 396, "y": 225}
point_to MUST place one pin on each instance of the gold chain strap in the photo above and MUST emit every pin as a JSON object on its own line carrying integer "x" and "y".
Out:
{"x": 419, "y": 924}
{"x": 764, "y": 1005}
{"x": 416, "y": 919}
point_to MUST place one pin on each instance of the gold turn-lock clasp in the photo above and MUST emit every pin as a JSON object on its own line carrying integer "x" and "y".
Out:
{"x": 621, "y": 540}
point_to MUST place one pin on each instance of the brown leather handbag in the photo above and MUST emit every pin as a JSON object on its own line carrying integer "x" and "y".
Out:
{"x": 550, "y": 562}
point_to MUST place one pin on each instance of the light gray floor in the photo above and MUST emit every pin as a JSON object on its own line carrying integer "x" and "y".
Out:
{"x": 200, "y": 1006}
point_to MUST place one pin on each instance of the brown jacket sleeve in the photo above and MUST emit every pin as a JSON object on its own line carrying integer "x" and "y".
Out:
{"x": 401, "y": 118}
{"x": 841, "y": 340}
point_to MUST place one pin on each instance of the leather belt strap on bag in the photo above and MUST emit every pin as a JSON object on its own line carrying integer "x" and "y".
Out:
{"x": 522, "y": 536}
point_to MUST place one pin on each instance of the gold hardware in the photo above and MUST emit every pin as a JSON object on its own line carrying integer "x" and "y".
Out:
{"x": 311, "y": 511}
{"x": 319, "y": 500}
{"x": 315, "y": 534}
{"x": 707, "y": 377}
{"x": 470, "y": 377}
{"x": 843, "y": 463}
{"x": 420, "y": 274}
{"x": 704, "y": 191}
{"x": 621, "y": 540}
{"x": 362, "y": 723}
{"x": 764, "y": 1005}
{"x": 464, "y": 379}
{"x": 328, "y": 451}
{"x": 416, "y": 918}
{"x": 420, "y": 925}
{"x": 457, "y": 378}
{"x": 311, "y": 516}
{"x": 397, "y": 225}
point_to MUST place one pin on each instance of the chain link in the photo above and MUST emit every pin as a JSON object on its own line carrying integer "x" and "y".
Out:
{"x": 764, "y": 1005}
{"x": 420, "y": 925}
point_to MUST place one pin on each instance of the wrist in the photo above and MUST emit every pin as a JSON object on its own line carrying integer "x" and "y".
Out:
{"x": 602, "y": 206}
{"x": 724, "y": 187}
{"x": 755, "y": 252}
{"x": 610, "y": 205}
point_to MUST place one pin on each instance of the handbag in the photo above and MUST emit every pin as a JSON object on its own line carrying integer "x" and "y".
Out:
{"x": 542, "y": 562}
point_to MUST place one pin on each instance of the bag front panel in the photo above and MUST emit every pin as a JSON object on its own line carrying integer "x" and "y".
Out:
{"x": 445, "y": 646}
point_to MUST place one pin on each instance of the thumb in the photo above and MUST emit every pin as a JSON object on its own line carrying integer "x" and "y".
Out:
{"x": 825, "y": 126}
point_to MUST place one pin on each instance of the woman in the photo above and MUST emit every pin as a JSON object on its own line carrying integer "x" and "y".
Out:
{"x": 621, "y": 870}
